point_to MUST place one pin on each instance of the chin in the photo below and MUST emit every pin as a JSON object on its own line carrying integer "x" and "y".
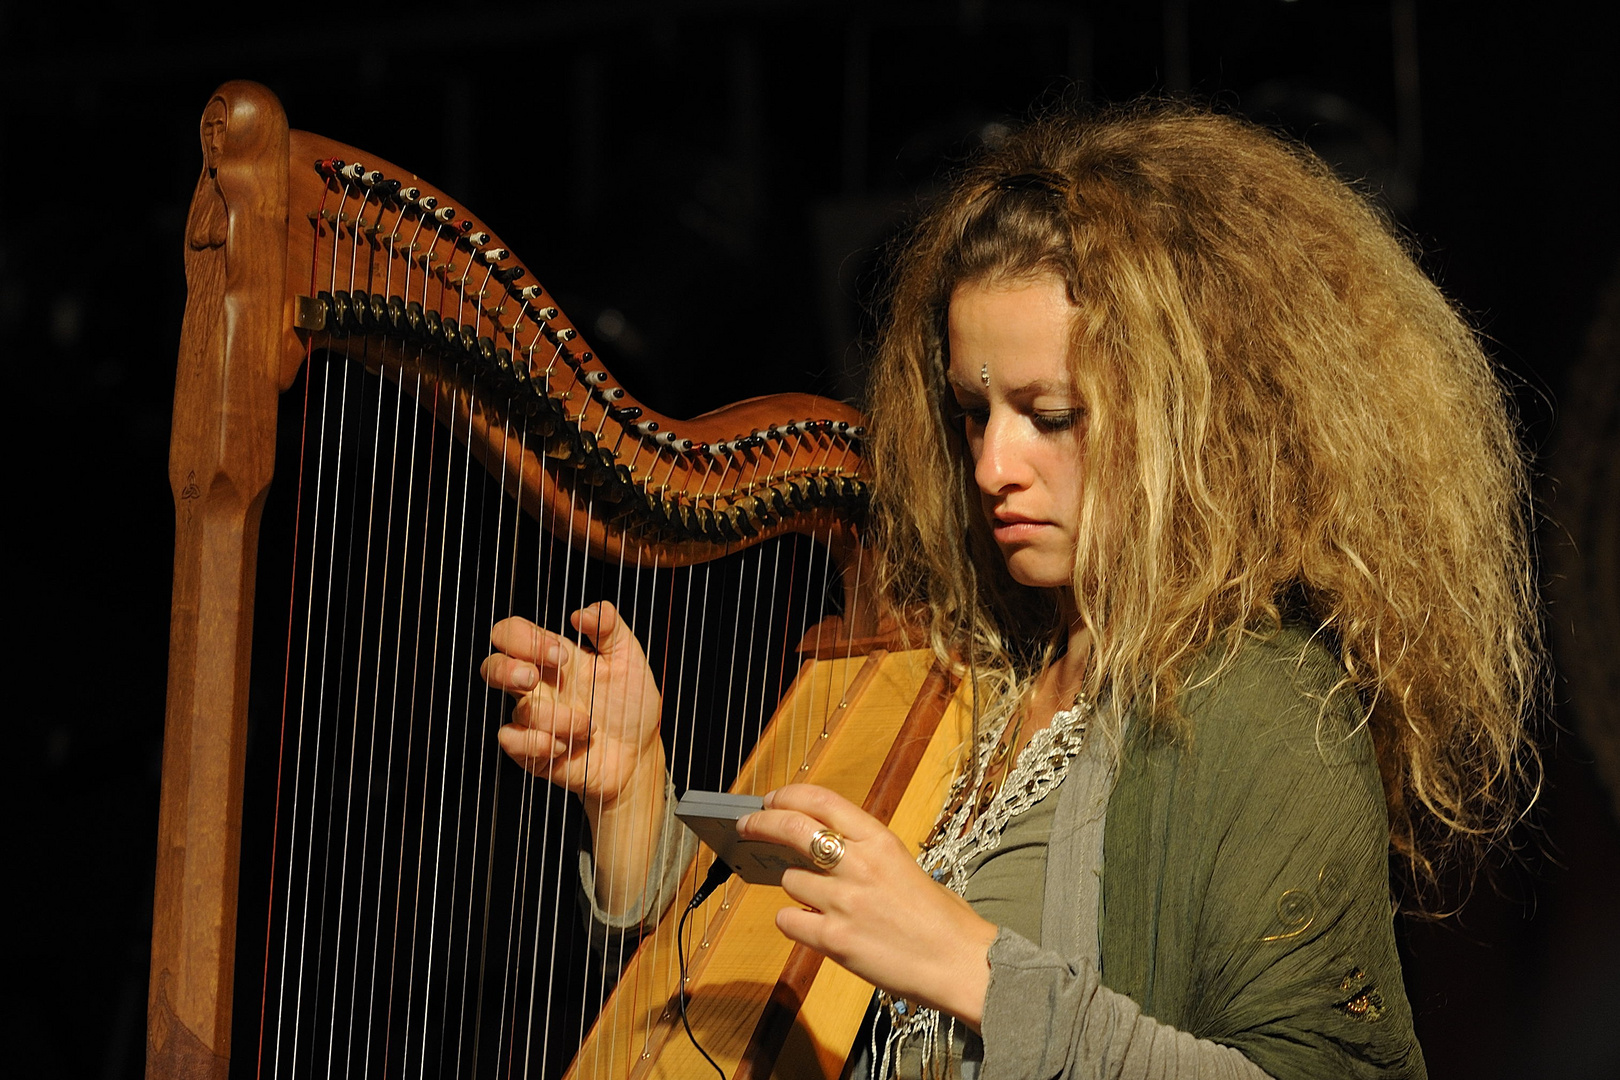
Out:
{"x": 1042, "y": 573}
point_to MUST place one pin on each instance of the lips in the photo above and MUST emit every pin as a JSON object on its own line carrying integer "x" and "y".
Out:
{"x": 1012, "y": 528}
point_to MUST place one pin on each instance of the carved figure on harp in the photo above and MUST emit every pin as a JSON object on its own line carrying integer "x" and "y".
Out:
{"x": 1217, "y": 509}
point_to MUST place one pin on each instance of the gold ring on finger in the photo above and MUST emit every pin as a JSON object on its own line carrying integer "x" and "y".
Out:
{"x": 826, "y": 849}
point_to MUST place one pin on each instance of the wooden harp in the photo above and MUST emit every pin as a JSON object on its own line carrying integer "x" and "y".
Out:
{"x": 298, "y": 246}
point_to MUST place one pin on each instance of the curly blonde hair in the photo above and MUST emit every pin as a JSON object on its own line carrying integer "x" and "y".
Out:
{"x": 1287, "y": 422}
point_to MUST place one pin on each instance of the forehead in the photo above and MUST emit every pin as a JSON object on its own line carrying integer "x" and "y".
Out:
{"x": 1016, "y": 331}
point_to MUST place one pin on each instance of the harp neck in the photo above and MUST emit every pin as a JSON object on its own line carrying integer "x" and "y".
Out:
{"x": 425, "y": 290}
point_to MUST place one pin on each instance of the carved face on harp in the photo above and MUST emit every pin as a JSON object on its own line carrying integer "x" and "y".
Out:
{"x": 212, "y": 130}
{"x": 1023, "y": 419}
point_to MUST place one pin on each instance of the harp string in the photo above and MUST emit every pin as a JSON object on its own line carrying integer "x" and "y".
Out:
{"x": 375, "y": 698}
{"x": 399, "y": 651}
{"x": 413, "y": 710}
{"x": 403, "y": 410}
{"x": 400, "y": 414}
{"x": 468, "y": 732}
{"x": 319, "y": 691}
{"x": 286, "y": 678}
{"x": 552, "y": 874}
{"x": 354, "y": 733}
{"x": 560, "y": 874}
{"x": 484, "y": 725}
{"x": 455, "y": 668}
{"x": 518, "y": 889}
{"x": 345, "y": 791}
{"x": 629, "y": 617}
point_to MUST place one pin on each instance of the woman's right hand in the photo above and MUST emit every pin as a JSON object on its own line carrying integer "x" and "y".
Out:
{"x": 587, "y": 714}
{"x": 587, "y": 719}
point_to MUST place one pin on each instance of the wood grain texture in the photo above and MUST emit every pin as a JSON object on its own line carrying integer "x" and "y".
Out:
{"x": 221, "y": 457}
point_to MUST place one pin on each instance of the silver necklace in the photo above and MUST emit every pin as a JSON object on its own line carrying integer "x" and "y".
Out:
{"x": 963, "y": 834}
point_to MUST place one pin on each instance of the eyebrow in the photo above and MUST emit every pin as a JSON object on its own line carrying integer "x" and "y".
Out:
{"x": 1033, "y": 388}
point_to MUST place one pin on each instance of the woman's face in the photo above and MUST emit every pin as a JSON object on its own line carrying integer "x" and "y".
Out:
{"x": 1023, "y": 417}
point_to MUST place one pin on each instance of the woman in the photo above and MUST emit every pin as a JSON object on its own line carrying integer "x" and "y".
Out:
{"x": 1186, "y": 464}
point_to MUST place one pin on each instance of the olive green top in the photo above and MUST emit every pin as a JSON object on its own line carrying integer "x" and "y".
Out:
{"x": 1244, "y": 896}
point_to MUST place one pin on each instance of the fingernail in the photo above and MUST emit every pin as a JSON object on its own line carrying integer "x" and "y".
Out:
{"x": 553, "y": 655}
{"x": 524, "y": 678}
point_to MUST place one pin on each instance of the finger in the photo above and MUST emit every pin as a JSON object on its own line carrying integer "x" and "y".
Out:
{"x": 789, "y": 828}
{"x": 601, "y": 624}
{"x": 813, "y": 889}
{"x": 542, "y": 712}
{"x": 826, "y": 806}
{"x": 523, "y": 640}
{"x": 514, "y": 676}
{"x": 804, "y": 927}
{"x": 553, "y": 762}
{"x": 529, "y": 747}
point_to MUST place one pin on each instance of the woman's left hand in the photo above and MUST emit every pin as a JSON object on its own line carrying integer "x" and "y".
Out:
{"x": 875, "y": 912}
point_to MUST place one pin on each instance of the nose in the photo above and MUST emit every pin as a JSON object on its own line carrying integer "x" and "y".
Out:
{"x": 1000, "y": 464}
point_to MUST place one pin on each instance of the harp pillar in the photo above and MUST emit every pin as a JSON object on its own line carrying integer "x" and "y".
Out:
{"x": 221, "y": 457}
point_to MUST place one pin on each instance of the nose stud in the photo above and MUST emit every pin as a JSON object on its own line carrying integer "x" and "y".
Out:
{"x": 984, "y": 374}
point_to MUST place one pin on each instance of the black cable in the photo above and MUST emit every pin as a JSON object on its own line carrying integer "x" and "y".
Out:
{"x": 719, "y": 874}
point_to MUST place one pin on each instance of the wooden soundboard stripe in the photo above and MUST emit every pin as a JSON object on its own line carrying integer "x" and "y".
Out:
{"x": 727, "y": 1000}
{"x": 819, "y": 1042}
{"x": 799, "y": 974}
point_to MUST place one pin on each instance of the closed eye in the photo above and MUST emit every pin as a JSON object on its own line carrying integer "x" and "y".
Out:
{"x": 1061, "y": 420}
{"x": 973, "y": 413}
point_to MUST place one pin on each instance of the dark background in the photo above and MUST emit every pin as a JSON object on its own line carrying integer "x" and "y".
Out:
{"x": 703, "y": 184}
